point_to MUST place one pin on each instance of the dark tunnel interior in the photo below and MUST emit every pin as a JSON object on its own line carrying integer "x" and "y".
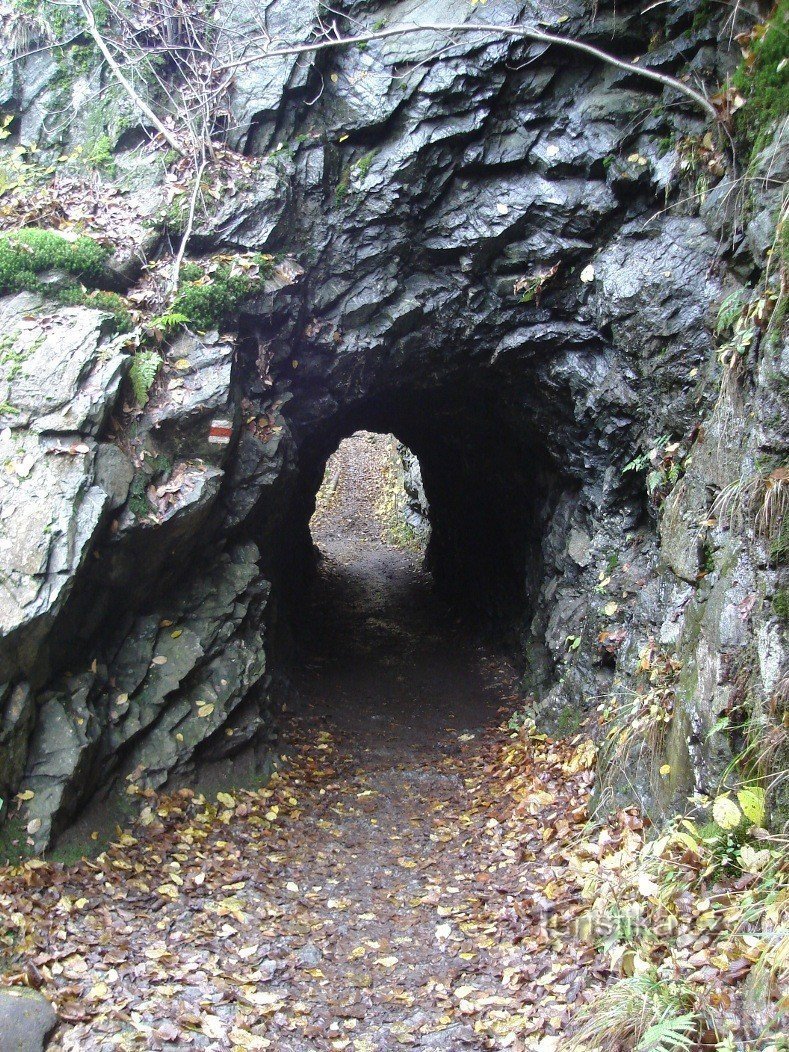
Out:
{"x": 490, "y": 493}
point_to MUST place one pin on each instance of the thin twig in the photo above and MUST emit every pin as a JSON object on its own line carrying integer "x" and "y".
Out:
{"x": 175, "y": 273}
{"x": 526, "y": 32}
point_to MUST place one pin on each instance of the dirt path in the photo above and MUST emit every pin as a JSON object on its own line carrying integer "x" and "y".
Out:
{"x": 393, "y": 886}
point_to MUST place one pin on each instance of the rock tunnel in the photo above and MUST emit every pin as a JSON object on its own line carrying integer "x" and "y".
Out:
{"x": 486, "y": 250}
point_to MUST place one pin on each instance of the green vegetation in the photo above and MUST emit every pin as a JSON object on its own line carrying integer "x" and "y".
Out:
{"x": 24, "y": 254}
{"x": 98, "y": 155}
{"x": 707, "y": 558}
{"x": 341, "y": 189}
{"x": 357, "y": 170}
{"x": 155, "y": 470}
{"x": 762, "y": 78}
{"x": 110, "y": 302}
{"x": 205, "y": 301}
{"x": 570, "y": 719}
{"x": 363, "y": 166}
{"x": 173, "y": 219}
{"x": 13, "y": 844}
{"x": 145, "y": 365}
{"x": 779, "y": 548}
{"x": 781, "y": 604}
{"x": 664, "y": 465}
{"x": 643, "y": 1012}
{"x": 702, "y": 16}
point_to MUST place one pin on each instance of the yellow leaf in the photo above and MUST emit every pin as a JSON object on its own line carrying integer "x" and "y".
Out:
{"x": 665, "y": 769}
{"x": 386, "y": 962}
{"x": 182, "y": 363}
{"x": 647, "y": 887}
{"x": 205, "y": 710}
{"x": 726, "y": 813}
{"x": 752, "y": 803}
{"x": 226, "y": 799}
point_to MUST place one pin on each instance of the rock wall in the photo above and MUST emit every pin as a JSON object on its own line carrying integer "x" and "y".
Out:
{"x": 492, "y": 250}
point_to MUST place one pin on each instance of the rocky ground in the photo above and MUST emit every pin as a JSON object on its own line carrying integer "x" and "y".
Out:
{"x": 420, "y": 870}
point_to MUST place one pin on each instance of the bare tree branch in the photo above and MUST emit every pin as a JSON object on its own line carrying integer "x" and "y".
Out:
{"x": 126, "y": 84}
{"x": 526, "y": 32}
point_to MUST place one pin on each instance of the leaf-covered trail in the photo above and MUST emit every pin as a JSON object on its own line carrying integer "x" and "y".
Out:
{"x": 402, "y": 881}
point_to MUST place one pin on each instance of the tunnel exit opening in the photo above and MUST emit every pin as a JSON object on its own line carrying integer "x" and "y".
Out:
{"x": 371, "y": 492}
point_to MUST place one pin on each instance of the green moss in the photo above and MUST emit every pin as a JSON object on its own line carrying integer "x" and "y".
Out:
{"x": 707, "y": 558}
{"x": 341, "y": 189}
{"x": 98, "y": 155}
{"x": 702, "y": 16}
{"x": 665, "y": 145}
{"x": 109, "y": 302}
{"x": 157, "y": 469}
{"x": 365, "y": 163}
{"x": 764, "y": 83}
{"x": 781, "y": 604}
{"x": 138, "y": 498}
{"x": 191, "y": 272}
{"x": 206, "y": 303}
{"x": 569, "y": 720}
{"x": 24, "y": 254}
{"x": 13, "y": 842}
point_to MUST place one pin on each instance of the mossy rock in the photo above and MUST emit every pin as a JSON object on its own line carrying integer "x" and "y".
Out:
{"x": 26, "y": 254}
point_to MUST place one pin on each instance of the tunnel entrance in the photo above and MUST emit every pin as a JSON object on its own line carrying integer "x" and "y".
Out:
{"x": 378, "y": 652}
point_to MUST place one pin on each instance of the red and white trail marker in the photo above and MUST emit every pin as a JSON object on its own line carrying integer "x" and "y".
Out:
{"x": 220, "y": 432}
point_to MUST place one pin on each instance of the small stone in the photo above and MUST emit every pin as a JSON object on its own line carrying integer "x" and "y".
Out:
{"x": 26, "y": 1020}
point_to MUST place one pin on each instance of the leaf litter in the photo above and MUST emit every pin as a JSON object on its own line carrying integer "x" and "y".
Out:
{"x": 418, "y": 882}
{"x": 256, "y": 920}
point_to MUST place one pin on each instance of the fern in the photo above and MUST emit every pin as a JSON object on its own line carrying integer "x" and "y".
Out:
{"x": 644, "y": 1012}
{"x": 671, "y": 1034}
{"x": 144, "y": 367}
{"x": 168, "y": 322}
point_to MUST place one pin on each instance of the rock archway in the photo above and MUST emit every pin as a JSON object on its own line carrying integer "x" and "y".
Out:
{"x": 486, "y": 250}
